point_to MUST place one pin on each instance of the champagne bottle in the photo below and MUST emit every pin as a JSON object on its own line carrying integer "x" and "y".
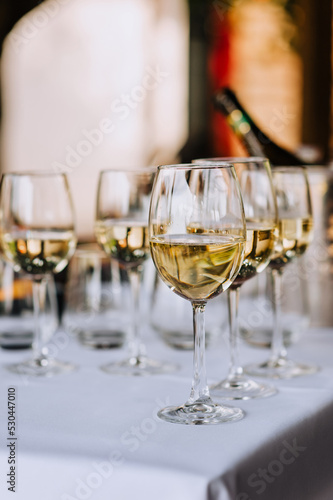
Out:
{"x": 255, "y": 141}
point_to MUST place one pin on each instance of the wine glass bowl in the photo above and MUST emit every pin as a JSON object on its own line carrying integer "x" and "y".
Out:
{"x": 37, "y": 236}
{"x": 197, "y": 238}
{"x": 121, "y": 229}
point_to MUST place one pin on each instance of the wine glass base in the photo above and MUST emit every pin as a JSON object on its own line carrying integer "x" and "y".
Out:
{"x": 241, "y": 387}
{"x": 41, "y": 367}
{"x": 139, "y": 367}
{"x": 200, "y": 413}
{"x": 280, "y": 368}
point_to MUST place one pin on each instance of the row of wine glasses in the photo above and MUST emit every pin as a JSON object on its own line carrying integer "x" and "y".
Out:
{"x": 203, "y": 243}
{"x": 278, "y": 213}
{"x": 256, "y": 183}
{"x": 295, "y": 231}
{"x": 212, "y": 225}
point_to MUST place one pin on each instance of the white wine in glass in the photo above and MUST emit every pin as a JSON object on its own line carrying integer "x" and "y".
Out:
{"x": 255, "y": 178}
{"x": 197, "y": 238}
{"x": 295, "y": 235}
{"x": 121, "y": 229}
{"x": 37, "y": 236}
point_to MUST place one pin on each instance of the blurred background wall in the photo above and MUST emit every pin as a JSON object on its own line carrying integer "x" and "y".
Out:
{"x": 89, "y": 84}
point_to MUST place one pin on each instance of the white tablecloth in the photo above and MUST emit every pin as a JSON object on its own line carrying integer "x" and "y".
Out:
{"x": 89, "y": 435}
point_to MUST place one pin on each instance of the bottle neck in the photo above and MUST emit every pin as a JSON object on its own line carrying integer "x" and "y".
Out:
{"x": 256, "y": 142}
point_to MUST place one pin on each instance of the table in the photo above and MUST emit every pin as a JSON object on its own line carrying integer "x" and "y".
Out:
{"x": 90, "y": 435}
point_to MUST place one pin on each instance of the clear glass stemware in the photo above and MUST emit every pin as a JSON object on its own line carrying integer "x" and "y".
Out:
{"x": 295, "y": 235}
{"x": 254, "y": 175}
{"x": 197, "y": 238}
{"x": 37, "y": 236}
{"x": 122, "y": 231}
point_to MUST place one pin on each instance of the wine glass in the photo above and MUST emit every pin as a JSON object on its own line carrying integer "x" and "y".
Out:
{"x": 254, "y": 175}
{"x": 295, "y": 235}
{"x": 197, "y": 238}
{"x": 122, "y": 231}
{"x": 37, "y": 236}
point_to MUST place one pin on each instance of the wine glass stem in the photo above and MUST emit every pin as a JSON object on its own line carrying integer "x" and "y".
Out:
{"x": 278, "y": 350}
{"x": 235, "y": 369}
{"x": 38, "y": 295}
{"x": 135, "y": 276}
{"x": 199, "y": 391}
